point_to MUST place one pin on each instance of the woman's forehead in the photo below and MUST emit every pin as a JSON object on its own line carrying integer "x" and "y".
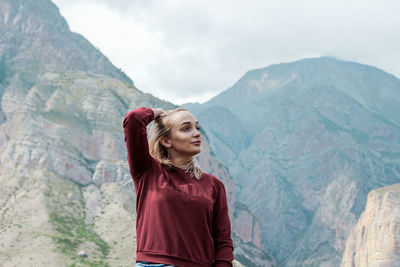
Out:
{"x": 182, "y": 117}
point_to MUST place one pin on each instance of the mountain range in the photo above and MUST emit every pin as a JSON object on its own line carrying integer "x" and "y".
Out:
{"x": 66, "y": 196}
{"x": 305, "y": 142}
{"x": 300, "y": 147}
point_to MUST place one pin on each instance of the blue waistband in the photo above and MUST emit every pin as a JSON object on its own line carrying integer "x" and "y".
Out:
{"x": 151, "y": 264}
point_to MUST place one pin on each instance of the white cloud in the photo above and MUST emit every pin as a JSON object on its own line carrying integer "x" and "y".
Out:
{"x": 186, "y": 50}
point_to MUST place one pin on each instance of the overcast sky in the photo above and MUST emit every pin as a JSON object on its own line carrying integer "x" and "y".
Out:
{"x": 189, "y": 51}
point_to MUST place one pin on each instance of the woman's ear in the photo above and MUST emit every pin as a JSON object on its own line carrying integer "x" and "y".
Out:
{"x": 165, "y": 142}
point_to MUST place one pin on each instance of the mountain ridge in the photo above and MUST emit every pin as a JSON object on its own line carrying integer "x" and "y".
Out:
{"x": 33, "y": 21}
{"x": 314, "y": 125}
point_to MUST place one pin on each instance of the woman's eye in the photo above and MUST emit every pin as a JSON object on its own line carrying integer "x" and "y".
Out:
{"x": 189, "y": 127}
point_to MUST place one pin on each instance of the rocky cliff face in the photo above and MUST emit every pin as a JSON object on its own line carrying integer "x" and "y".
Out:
{"x": 63, "y": 170}
{"x": 47, "y": 220}
{"x": 65, "y": 186}
{"x": 375, "y": 239}
{"x": 318, "y": 134}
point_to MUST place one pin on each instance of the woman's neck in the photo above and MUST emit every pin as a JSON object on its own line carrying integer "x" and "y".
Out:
{"x": 181, "y": 162}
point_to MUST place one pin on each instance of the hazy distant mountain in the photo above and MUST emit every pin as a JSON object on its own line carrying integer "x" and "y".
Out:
{"x": 64, "y": 179}
{"x": 318, "y": 135}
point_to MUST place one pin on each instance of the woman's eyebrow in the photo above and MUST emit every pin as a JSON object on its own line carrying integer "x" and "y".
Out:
{"x": 188, "y": 122}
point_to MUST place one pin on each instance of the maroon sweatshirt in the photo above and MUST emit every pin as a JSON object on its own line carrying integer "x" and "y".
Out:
{"x": 180, "y": 220}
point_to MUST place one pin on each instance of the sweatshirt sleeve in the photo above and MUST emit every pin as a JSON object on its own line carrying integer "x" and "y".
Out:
{"x": 223, "y": 245}
{"x": 135, "y": 122}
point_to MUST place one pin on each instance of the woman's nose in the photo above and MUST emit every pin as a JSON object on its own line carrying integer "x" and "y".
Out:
{"x": 197, "y": 132}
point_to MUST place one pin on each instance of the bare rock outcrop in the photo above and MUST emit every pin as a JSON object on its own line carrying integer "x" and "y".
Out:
{"x": 375, "y": 240}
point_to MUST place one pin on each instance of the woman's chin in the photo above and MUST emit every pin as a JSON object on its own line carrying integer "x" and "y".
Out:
{"x": 196, "y": 152}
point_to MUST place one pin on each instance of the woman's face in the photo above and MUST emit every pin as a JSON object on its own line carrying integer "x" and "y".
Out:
{"x": 185, "y": 138}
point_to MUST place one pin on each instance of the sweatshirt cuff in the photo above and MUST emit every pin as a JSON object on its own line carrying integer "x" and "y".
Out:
{"x": 220, "y": 263}
{"x": 148, "y": 111}
{"x": 143, "y": 114}
{"x": 152, "y": 113}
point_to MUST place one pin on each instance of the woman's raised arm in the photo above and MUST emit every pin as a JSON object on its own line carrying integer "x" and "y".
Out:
{"x": 135, "y": 122}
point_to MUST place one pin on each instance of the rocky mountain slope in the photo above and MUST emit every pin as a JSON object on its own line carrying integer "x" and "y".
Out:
{"x": 36, "y": 38}
{"x": 305, "y": 142}
{"x": 64, "y": 180}
{"x": 375, "y": 240}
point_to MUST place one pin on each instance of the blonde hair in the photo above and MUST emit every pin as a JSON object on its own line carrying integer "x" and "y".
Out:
{"x": 162, "y": 128}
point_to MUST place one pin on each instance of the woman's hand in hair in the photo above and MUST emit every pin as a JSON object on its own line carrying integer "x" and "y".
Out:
{"x": 157, "y": 112}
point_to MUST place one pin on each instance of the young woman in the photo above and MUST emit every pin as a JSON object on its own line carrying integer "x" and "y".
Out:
{"x": 182, "y": 212}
